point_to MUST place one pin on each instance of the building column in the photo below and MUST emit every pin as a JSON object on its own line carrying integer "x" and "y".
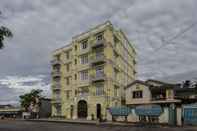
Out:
{"x": 90, "y": 111}
{"x": 75, "y": 112}
{"x": 179, "y": 116}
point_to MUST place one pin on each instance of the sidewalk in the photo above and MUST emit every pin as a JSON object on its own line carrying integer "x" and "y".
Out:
{"x": 91, "y": 122}
{"x": 82, "y": 121}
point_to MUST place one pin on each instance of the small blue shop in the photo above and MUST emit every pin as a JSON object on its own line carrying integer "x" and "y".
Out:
{"x": 190, "y": 114}
{"x": 152, "y": 113}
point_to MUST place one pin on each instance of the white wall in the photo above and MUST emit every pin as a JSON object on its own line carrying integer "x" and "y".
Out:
{"x": 138, "y": 87}
{"x": 164, "y": 117}
{"x": 133, "y": 117}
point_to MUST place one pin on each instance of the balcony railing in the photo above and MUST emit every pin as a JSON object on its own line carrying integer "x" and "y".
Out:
{"x": 99, "y": 57}
{"x": 56, "y": 100}
{"x": 56, "y": 86}
{"x": 98, "y": 77}
{"x": 55, "y": 62}
{"x": 56, "y": 73}
{"x": 83, "y": 94}
{"x": 158, "y": 98}
{"x": 99, "y": 43}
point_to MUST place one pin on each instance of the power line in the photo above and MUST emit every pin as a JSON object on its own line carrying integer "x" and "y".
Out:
{"x": 175, "y": 37}
{"x": 167, "y": 42}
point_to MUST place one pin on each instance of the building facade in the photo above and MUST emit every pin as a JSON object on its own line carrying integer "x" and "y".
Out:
{"x": 90, "y": 73}
{"x": 154, "y": 101}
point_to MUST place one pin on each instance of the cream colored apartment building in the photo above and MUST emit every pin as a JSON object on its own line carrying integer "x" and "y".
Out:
{"x": 90, "y": 73}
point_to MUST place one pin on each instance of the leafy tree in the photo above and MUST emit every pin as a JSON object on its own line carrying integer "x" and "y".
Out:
{"x": 28, "y": 98}
{"x": 4, "y": 32}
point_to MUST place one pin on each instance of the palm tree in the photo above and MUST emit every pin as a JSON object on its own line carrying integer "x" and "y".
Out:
{"x": 4, "y": 32}
{"x": 29, "y": 98}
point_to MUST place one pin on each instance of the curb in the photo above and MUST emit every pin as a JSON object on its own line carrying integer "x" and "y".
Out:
{"x": 83, "y": 123}
{"x": 95, "y": 123}
{"x": 56, "y": 121}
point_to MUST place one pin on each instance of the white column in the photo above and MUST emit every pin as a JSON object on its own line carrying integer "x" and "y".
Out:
{"x": 179, "y": 116}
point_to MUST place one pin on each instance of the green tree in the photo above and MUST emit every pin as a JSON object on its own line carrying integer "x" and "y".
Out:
{"x": 26, "y": 99}
{"x": 4, "y": 33}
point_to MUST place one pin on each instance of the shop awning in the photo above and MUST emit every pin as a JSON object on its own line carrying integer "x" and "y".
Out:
{"x": 120, "y": 111}
{"x": 148, "y": 110}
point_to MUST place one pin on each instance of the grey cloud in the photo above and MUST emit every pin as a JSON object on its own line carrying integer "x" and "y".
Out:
{"x": 40, "y": 26}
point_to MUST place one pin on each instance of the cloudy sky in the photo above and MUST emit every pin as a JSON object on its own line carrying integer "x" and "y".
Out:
{"x": 162, "y": 31}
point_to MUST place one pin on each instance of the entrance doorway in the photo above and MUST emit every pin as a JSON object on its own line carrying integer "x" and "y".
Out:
{"x": 98, "y": 111}
{"x": 82, "y": 109}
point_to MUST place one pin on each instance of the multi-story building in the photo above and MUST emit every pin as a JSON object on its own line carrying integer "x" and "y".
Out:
{"x": 90, "y": 73}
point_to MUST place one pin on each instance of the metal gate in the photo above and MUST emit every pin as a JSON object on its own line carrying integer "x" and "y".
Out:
{"x": 172, "y": 116}
{"x": 190, "y": 114}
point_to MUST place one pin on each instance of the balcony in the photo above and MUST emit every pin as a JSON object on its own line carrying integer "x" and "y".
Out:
{"x": 98, "y": 58}
{"x": 98, "y": 77}
{"x": 159, "y": 98}
{"x": 99, "y": 43}
{"x": 56, "y": 62}
{"x": 116, "y": 66}
{"x": 56, "y": 73}
{"x": 56, "y": 86}
{"x": 56, "y": 100}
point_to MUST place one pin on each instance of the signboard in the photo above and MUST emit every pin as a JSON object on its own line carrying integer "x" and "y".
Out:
{"x": 120, "y": 111}
{"x": 148, "y": 110}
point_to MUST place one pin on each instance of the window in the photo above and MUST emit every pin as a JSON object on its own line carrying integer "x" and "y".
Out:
{"x": 67, "y": 81}
{"x": 99, "y": 89}
{"x": 67, "y": 94}
{"x": 84, "y": 59}
{"x": 57, "y": 57}
{"x": 67, "y": 55}
{"x": 116, "y": 40}
{"x": 84, "y": 75}
{"x": 75, "y": 76}
{"x": 84, "y": 44}
{"x": 100, "y": 71}
{"x": 99, "y": 36}
{"x": 116, "y": 91}
{"x": 134, "y": 61}
{"x": 56, "y": 79}
{"x": 68, "y": 67}
{"x": 137, "y": 94}
{"x": 75, "y": 47}
{"x": 75, "y": 61}
{"x": 76, "y": 92}
{"x": 115, "y": 74}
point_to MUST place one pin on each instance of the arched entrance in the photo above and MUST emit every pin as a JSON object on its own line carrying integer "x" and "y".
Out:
{"x": 82, "y": 109}
{"x": 98, "y": 111}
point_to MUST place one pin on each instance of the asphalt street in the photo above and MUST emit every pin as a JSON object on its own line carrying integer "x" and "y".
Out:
{"x": 7, "y": 125}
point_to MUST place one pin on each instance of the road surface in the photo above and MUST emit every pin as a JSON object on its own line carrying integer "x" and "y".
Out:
{"x": 11, "y": 125}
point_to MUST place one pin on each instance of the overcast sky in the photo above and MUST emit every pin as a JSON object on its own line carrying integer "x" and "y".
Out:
{"x": 40, "y": 26}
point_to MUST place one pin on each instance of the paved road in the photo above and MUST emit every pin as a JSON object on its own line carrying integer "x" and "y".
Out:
{"x": 6, "y": 125}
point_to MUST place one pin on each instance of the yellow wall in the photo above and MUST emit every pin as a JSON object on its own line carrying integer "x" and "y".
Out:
{"x": 124, "y": 64}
